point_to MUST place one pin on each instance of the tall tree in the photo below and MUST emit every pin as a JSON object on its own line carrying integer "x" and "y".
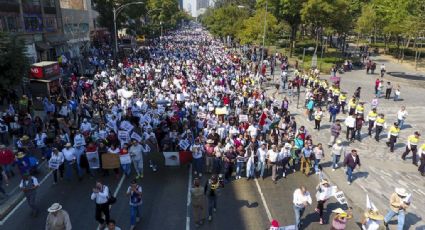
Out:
{"x": 13, "y": 61}
{"x": 253, "y": 28}
{"x": 290, "y": 11}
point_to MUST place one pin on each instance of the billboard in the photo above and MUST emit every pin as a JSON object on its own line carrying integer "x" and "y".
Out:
{"x": 72, "y": 4}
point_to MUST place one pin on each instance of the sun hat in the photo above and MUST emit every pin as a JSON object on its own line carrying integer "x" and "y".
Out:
{"x": 374, "y": 215}
{"x": 338, "y": 141}
{"x": 68, "y": 144}
{"x": 25, "y": 138}
{"x": 339, "y": 211}
{"x": 20, "y": 155}
{"x": 401, "y": 191}
{"x": 55, "y": 207}
{"x": 324, "y": 181}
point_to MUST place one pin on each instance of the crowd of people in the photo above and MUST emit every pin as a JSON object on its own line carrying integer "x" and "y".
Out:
{"x": 195, "y": 95}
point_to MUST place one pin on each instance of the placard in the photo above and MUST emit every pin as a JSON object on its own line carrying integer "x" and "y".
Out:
{"x": 341, "y": 197}
{"x": 125, "y": 159}
{"x": 123, "y": 136}
{"x": 171, "y": 158}
{"x": 54, "y": 164}
{"x": 136, "y": 136}
{"x": 93, "y": 159}
{"x": 243, "y": 118}
{"x": 221, "y": 111}
{"x": 110, "y": 161}
{"x": 184, "y": 144}
{"x": 125, "y": 125}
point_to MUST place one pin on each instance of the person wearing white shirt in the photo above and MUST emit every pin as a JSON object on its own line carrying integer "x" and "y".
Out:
{"x": 401, "y": 116}
{"x": 300, "y": 200}
{"x": 100, "y": 195}
{"x": 136, "y": 153}
{"x": 56, "y": 164}
{"x": 272, "y": 155}
{"x": 197, "y": 154}
{"x": 350, "y": 122}
{"x": 284, "y": 157}
{"x": 29, "y": 185}
{"x": 85, "y": 126}
{"x": 69, "y": 159}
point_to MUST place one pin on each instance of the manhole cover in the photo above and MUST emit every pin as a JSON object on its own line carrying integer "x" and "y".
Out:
{"x": 411, "y": 76}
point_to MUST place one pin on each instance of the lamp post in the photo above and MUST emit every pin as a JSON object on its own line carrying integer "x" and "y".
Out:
{"x": 116, "y": 11}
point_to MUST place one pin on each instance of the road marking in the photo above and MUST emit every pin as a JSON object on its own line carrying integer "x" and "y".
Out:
{"x": 22, "y": 201}
{"x": 189, "y": 186}
{"x": 269, "y": 215}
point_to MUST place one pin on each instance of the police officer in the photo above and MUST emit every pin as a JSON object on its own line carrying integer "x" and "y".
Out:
{"x": 371, "y": 117}
{"x": 392, "y": 136}
{"x": 379, "y": 125}
{"x": 412, "y": 145}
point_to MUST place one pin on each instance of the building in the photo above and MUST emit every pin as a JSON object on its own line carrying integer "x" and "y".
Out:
{"x": 196, "y": 7}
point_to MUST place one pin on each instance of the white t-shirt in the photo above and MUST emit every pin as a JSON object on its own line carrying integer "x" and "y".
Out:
{"x": 371, "y": 225}
{"x": 272, "y": 155}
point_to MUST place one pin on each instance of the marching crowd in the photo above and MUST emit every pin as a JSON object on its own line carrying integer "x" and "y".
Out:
{"x": 195, "y": 95}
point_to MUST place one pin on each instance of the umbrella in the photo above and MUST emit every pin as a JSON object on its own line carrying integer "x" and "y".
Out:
{"x": 6, "y": 156}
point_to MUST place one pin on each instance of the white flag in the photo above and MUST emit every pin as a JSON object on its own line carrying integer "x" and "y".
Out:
{"x": 369, "y": 204}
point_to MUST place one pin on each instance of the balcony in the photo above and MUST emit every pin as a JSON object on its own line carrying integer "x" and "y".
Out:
{"x": 31, "y": 8}
{"x": 9, "y": 6}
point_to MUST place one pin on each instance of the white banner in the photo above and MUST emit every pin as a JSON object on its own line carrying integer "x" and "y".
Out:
{"x": 171, "y": 158}
{"x": 341, "y": 197}
{"x": 136, "y": 136}
{"x": 125, "y": 125}
{"x": 93, "y": 159}
{"x": 243, "y": 118}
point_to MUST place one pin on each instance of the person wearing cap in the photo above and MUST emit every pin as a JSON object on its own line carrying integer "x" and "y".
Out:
{"x": 399, "y": 202}
{"x": 70, "y": 159}
{"x": 29, "y": 186}
{"x": 351, "y": 161}
{"x": 301, "y": 199}
{"x": 392, "y": 136}
{"x": 134, "y": 191}
{"x": 57, "y": 219}
{"x": 340, "y": 219}
{"x": 379, "y": 125}
{"x": 371, "y": 117}
{"x": 322, "y": 195}
{"x": 371, "y": 220}
{"x": 412, "y": 145}
{"x": 56, "y": 164}
{"x": 198, "y": 202}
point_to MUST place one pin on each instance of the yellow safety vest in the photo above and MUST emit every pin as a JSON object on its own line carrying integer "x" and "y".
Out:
{"x": 413, "y": 140}
{"x": 342, "y": 97}
{"x": 394, "y": 131}
{"x": 380, "y": 121}
{"x": 372, "y": 115}
{"x": 360, "y": 108}
{"x": 352, "y": 104}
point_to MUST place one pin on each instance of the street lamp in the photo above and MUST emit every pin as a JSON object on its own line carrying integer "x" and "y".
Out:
{"x": 116, "y": 11}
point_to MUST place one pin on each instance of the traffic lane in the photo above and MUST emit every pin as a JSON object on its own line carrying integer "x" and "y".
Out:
{"x": 164, "y": 198}
{"x": 279, "y": 200}
{"x": 74, "y": 197}
{"x": 239, "y": 207}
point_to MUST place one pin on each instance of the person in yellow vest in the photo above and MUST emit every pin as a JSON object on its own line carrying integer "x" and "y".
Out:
{"x": 392, "y": 136}
{"x": 421, "y": 154}
{"x": 342, "y": 100}
{"x": 412, "y": 145}
{"x": 360, "y": 109}
{"x": 352, "y": 105}
{"x": 371, "y": 117}
{"x": 379, "y": 125}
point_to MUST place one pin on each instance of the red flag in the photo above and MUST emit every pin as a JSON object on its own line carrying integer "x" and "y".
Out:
{"x": 262, "y": 119}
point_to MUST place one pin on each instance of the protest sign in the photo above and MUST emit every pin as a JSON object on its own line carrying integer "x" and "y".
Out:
{"x": 340, "y": 197}
{"x": 243, "y": 118}
{"x": 184, "y": 144}
{"x": 93, "y": 159}
{"x": 110, "y": 161}
{"x": 171, "y": 158}
{"x": 125, "y": 125}
{"x": 54, "y": 164}
{"x": 123, "y": 136}
{"x": 125, "y": 159}
{"x": 221, "y": 111}
{"x": 136, "y": 136}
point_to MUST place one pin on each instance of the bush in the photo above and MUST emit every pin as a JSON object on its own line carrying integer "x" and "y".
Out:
{"x": 407, "y": 52}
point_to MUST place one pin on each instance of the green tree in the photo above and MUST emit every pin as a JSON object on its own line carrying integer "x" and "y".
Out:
{"x": 253, "y": 28}
{"x": 13, "y": 61}
{"x": 290, "y": 11}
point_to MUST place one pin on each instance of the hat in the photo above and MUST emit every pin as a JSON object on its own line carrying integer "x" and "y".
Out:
{"x": 338, "y": 142}
{"x": 25, "y": 138}
{"x": 20, "y": 155}
{"x": 324, "y": 181}
{"x": 275, "y": 224}
{"x": 339, "y": 211}
{"x": 210, "y": 141}
{"x": 401, "y": 191}
{"x": 55, "y": 207}
{"x": 374, "y": 215}
{"x": 68, "y": 144}
{"x": 287, "y": 145}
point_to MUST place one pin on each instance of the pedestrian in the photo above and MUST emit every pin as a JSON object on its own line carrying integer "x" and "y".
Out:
{"x": 57, "y": 219}
{"x": 337, "y": 151}
{"x": 3, "y": 177}
{"x": 198, "y": 202}
{"x": 350, "y": 122}
{"x": 136, "y": 153}
{"x": 401, "y": 116}
{"x": 197, "y": 154}
{"x": 335, "y": 132}
{"x": 372, "y": 220}
{"x": 306, "y": 154}
{"x": 262, "y": 157}
{"x": 412, "y": 145}
{"x": 134, "y": 191}
{"x": 272, "y": 155}
{"x": 388, "y": 90}
{"x": 29, "y": 186}
{"x": 399, "y": 202}
{"x": 229, "y": 163}
{"x": 393, "y": 133}
{"x": 421, "y": 154}
{"x": 339, "y": 221}
{"x": 318, "y": 114}
{"x": 379, "y": 125}
{"x": 101, "y": 195}
{"x": 358, "y": 127}
{"x": 125, "y": 165}
{"x": 69, "y": 160}
{"x": 319, "y": 154}
{"x": 333, "y": 111}
{"x": 211, "y": 190}
{"x": 301, "y": 199}
{"x": 112, "y": 226}
{"x": 371, "y": 117}
{"x": 383, "y": 69}
{"x": 56, "y": 163}
{"x": 322, "y": 195}
{"x": 350, "y": 162}
{"x": 397, "y": 93}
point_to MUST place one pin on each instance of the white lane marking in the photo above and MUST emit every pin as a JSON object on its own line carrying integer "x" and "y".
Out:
{"x": 22, "y": 201}
{"x": 189, "y": 186}
{"x": 269, "y": 215}
{"x": 116, "y": 191}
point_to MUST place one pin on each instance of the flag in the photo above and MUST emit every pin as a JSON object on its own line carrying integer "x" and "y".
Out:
{"x": 262, "y": 119}
{"x": 369, "y": 204}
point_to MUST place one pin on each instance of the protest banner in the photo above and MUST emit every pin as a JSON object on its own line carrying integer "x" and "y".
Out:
{"x": 340, "y": 197}
{"x": 243, "y": 118}
{"x": 53, "y": 164}
{"x": 171, "y": 158}
{"x": 123, "y": 136}
{"x": 136, "y": 136}
{"x": 125, "y": 125}
{"x": 221, "y": 111}
{"x": 93, "y": 159}
{"x": 110, "y": 161}
{"x": 125, "y": 159}
{"x": 184, "y": 144}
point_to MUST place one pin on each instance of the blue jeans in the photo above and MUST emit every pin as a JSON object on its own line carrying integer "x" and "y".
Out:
{"x": 260, "y": 167}
{"x": 298, "y": 214}
{"x": 250, "y": 170}
{"x": 239, "y": 166}
{"x": 335, "y": 160}
{"x": 400, "y": 219}
{"x": 126, "y": 168}
{"x": 218, "y": 166}
{"x": 68, "y": 169}
{"x": 400, "y": 123}
{"x": 349, "y": 174}
{"x": 197, "y": 165}
{"x": 134, "y": 212}
{"x": 212, "y": 203}
{"x": 316, "y": 165}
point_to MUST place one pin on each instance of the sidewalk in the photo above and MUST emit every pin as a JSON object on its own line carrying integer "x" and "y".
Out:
{"x": 381, "y": 170}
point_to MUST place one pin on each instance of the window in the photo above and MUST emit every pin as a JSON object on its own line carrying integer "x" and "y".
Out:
{"x": 3, "y": 26}
{"x": 12, "y": 24}
{"x": 31, "y": 2}
{"x": 33, "y": 24}
{"x": 49, "y": 3}
{"x": 50, "y": 23}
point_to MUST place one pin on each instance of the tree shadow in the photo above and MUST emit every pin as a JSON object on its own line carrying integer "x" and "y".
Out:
{"x": 412, "y": 219}
{"x": 327, "y": 126}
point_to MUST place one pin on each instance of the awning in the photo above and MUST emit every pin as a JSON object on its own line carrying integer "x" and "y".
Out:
{"x": 42, "y": 46}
